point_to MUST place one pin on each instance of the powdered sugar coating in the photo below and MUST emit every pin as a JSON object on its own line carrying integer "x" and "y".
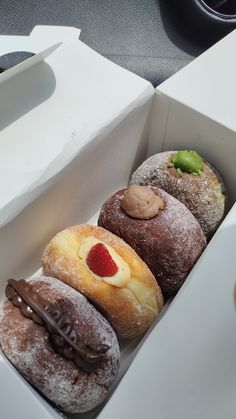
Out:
{"x": 169, "y": 243}
{"x": 203, "y": 195}
{"x": 27, "y": 346}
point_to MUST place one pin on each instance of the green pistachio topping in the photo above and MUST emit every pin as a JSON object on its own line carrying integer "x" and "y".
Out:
{"x": 187, "y": 161}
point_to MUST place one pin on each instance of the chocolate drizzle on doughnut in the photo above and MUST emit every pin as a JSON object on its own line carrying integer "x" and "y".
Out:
{"x": 62, "y": 333}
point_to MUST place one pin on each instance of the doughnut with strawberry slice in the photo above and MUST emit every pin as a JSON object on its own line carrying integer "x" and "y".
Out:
{"x": 109, "y": 273}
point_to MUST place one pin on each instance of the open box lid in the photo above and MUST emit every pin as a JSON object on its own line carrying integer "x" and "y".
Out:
{"x": 51, "y": 110}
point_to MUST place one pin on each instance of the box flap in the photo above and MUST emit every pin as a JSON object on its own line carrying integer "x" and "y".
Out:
{"x": 27, "y": 63}
{"x": 41, "y": 37}
{"x": 207, "y": 84}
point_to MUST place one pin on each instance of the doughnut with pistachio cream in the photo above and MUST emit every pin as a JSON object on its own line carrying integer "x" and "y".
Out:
{"x": 163, "y": 232}
{"x": 59, "y": 342}
{"x": 109, "y": 273}
{"x": 193, "y": 181}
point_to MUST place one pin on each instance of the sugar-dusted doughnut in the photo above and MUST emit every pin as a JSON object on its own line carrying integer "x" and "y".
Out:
{"x": 109, "y": 273}
{"x": 186, "y": 176}
{"x": 160, "y": 229}
{"x": 59, "y": 342}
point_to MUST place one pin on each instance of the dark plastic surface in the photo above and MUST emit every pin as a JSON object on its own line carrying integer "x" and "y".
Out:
{"x": 13, "y": 58}
{"x": 153, "y": 38}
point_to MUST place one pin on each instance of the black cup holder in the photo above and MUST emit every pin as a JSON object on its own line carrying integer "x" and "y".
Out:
{"x": 223, "y": 9}
{"x": 201, "y": 22}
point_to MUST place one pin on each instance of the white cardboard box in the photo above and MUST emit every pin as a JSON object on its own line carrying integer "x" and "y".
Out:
{"x": 81, "y": 143}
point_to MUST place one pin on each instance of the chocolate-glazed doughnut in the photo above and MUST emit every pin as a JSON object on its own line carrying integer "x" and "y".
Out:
{"x": 59, "y": 342}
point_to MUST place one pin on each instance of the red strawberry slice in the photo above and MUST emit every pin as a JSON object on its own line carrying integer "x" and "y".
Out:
{"x": 100, "y": 261}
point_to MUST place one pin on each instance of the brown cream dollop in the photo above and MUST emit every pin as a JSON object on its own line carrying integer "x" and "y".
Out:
{"x": 141, "y": 202}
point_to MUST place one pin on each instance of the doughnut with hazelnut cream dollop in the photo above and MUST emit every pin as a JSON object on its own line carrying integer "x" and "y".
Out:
{"x": 160, "y": 229}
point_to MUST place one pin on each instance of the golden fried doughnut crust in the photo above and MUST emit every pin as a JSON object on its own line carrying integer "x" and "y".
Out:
{"x": 130, "y": 305}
